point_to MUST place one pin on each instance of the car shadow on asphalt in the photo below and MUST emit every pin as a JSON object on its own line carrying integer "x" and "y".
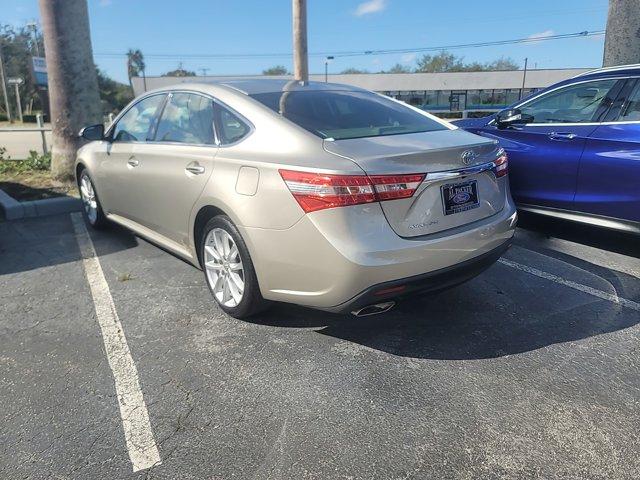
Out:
{"x": 502, "y": 312}
{"x": 610, "y": 240}
{"x": 39, "y": 242}
{"x": 460, "y": 324}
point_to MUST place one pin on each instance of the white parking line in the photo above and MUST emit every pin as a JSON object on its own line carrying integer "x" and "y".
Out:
{"x": 138, "y": 436}
{"x": 576, "y": 286}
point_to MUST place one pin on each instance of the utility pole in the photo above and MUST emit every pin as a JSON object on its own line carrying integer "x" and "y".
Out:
{"x": 34, "y": 29}
{"x": 622, "y": 40}
{"x": 524, "y": 77}
{"x": 16, "y": 82}
{"x": 17, "y": 86}
{"x": 300, "y": 54}
{"x": 73, "y": 84}
{"x": 4, "y": 87}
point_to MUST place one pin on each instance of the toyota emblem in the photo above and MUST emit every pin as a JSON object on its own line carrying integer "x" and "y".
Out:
{"x": 468, "y": 156}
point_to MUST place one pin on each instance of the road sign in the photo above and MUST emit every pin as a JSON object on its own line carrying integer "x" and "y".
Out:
{"x": 15, "y": 81}
{"x": 39, "y": 65}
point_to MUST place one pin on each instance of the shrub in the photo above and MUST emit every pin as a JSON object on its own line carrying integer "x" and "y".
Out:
{"x": 35, "y": 161}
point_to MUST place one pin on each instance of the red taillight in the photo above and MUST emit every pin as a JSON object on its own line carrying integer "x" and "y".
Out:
{"x": 317, "y": 191}
{"x": 392, "y": 187}
{"x": 501, "y": 165}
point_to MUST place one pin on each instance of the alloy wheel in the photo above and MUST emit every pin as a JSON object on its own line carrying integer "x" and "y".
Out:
{"x": 223, "y": 267}
{"x": 89, "y": 201}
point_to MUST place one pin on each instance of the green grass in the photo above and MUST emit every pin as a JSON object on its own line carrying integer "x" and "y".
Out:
{"x": 34, "y": 162}
{"x": 30, "y": 179}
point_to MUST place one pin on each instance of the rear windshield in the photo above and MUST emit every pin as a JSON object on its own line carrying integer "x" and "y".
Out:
{"x": 345, "y": 114}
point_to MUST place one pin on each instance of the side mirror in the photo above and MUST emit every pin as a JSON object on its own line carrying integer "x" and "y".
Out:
{"x": 93, "y": 132}
{"x": 512, "y": 116}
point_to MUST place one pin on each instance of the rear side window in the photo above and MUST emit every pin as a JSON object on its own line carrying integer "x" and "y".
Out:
{"x": 572, "y": 104}
{"x": 187, "y": 118}
{"x": 631, "y": 110}
{"x": 229, "y": 126}
{"x": 135, "y": 124}
{"x": 347, "y": 114}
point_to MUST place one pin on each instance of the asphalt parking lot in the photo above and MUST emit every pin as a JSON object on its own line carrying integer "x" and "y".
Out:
{"x": 531, "y": 370}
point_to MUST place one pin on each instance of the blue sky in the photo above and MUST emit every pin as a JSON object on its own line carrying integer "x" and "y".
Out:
{"x": 189, "y": 27}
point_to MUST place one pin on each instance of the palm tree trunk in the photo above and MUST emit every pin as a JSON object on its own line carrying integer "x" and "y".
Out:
{"x": 622, "y": 43}
{"x": 73, "y": 84}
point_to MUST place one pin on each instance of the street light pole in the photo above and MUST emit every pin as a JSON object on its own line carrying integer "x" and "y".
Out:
{"x": 300, "y": 55}
{"x": 326, "y": 68}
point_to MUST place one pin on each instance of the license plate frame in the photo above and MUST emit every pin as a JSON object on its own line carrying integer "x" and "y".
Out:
{"x": 459, "y": 197}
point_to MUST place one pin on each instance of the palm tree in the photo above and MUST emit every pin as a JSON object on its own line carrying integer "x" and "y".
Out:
{"x": 135, "y": 66}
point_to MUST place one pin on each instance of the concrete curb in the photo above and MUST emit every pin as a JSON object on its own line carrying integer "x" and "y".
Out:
{"x": 14, "y": 210}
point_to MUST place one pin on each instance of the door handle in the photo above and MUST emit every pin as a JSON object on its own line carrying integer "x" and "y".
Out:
{"x": 194, "y": 168}
{"x": 132, "y": 162}
{"x": 562, "y": 136}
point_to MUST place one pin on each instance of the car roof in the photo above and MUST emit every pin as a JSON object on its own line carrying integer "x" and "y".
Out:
{"x": 245, "y": 87}
{"x": 255, "y": 86}
{"x": 620, "y": 70}
{"x": 596, "y": 74}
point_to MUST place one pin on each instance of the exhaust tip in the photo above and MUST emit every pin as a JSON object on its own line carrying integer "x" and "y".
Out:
{"x": 374, "y": 309}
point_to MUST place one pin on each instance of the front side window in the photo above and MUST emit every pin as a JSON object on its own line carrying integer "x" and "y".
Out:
{"x": 187, "y": 118}
{"x": 135, "y": 124}
{"x": 573, "y": 104}
{"x": 229, "y": 126}
{"x": 347, "y": 114}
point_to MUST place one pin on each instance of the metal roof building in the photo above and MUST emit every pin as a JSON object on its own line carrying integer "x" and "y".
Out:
{"x": 453, "y": 91}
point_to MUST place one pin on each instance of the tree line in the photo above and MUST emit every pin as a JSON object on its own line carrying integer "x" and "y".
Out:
{"x": 438, "y": 63}
{"x": 18, "y": 45}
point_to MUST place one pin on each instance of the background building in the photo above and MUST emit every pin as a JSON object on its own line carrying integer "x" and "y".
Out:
{"x": 449, "y": 94}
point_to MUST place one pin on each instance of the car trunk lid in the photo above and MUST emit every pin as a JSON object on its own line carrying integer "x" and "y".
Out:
{"x": 459, "y": 187}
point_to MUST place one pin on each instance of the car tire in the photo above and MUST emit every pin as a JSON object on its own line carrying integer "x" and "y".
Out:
{"x": 228, "y": 269}
{"x": 91, "y": 208}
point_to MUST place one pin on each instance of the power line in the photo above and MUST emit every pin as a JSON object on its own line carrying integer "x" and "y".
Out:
{"x": 353, "y": 53}
{"x": 532, "y": 39}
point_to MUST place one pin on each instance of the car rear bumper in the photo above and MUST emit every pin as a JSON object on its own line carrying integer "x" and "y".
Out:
{"x": 332, "y": 259}
{"x": 430, "y": 282}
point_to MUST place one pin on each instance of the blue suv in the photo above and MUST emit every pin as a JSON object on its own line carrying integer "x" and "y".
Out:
{"x": 574, "y": 148}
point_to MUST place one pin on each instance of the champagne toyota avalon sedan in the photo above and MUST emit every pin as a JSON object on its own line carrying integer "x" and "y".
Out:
{"x": 318, "y": 194}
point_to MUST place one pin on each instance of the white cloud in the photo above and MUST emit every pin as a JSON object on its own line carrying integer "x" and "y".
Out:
{"x": 371, "y": 6}
{"x": 545, "y": 34}
{"x": 408, "y": 58}
{"x": 105, "y": 3}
